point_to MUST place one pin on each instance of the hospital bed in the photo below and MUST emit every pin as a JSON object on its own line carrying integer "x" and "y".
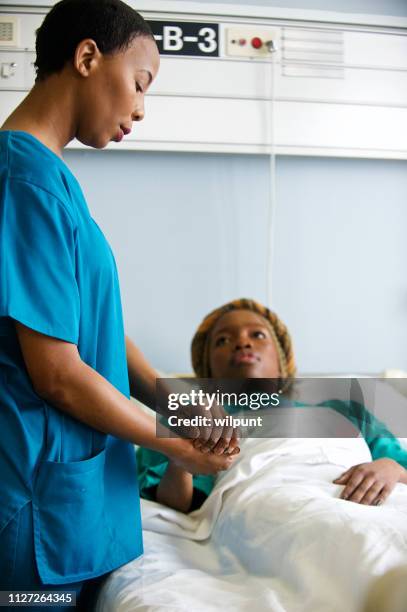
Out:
{"x": 272, "y": 536}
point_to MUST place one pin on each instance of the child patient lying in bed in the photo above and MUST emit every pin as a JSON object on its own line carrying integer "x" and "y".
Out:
{"x": 243, "y": 339}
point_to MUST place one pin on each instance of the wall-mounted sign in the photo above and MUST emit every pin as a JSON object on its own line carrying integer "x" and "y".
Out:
{"x": 186, "y": 38}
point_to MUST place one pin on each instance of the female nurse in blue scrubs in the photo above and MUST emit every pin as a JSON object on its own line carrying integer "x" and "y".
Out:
{"x": 69, "y": 508}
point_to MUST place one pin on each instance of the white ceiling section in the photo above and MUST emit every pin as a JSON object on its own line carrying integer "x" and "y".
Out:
{"x": 336, "y": 86}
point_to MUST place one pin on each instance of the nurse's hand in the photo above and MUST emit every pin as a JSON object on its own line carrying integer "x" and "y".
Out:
{"x": 227, "y": 443}
{"x": 208, "y": 437}
{"x": 371, "y": 483}
{"x": 194, "y": 461}
{"x": 217, "y": 439}
{"x": 197, "y": 418}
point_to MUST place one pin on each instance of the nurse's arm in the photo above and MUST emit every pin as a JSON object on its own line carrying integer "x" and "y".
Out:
{"x": 142, "y": 377}
{"x": 61, "y": 378}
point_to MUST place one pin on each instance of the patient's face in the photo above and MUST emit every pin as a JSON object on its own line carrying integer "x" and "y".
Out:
{"x": 241, "y": 346}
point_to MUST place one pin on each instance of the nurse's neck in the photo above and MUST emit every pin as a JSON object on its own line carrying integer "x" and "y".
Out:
{"x": 48, "y": 113}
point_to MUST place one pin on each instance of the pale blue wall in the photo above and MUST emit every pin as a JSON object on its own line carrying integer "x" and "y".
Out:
{"x": 340, "y": 277}
{"x": 190, "y": 232}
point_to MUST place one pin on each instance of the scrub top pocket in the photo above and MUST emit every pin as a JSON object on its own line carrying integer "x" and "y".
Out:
{"x": 72, "y": 538}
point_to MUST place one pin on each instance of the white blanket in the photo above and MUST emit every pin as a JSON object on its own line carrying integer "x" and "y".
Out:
{"x": 273, "y": 536}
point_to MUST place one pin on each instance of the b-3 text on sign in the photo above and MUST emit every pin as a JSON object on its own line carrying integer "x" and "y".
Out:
{"x": 186, "y": 38}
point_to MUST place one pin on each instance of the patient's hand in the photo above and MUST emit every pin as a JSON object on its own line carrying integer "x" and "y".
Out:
{"x": 371, "y": 483}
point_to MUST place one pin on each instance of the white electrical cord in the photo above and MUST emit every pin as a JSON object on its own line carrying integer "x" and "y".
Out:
{"x": 272, "y": 182}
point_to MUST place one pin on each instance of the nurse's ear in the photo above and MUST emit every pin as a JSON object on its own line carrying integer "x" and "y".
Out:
{"x": 87, "y": 57}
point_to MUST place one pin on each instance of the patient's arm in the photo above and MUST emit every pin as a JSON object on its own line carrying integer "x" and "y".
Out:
{"x": 175, "y": 488}
{"x": 371, "y": 483}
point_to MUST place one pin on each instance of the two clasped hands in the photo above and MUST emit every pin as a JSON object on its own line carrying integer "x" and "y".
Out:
{"x": 210, "y": 448}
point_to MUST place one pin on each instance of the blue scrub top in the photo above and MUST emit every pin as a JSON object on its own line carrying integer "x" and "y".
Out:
{"x": 58, "y": 276}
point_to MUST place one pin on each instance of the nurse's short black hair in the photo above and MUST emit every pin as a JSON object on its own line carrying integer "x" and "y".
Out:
{"x": 112, "y": 24}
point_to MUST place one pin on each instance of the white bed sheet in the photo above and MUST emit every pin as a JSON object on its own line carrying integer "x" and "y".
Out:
{"x": 273, "y": 536}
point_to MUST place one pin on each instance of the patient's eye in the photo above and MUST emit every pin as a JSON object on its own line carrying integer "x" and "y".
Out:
{"x": 259, "y": 334}
{"x": 221, "y": 341}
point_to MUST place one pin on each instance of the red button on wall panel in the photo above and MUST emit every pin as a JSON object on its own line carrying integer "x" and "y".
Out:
{"x": 257, "y": 42}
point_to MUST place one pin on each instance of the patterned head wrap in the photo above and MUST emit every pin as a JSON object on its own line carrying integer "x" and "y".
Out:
{"x": 279, "y": 332}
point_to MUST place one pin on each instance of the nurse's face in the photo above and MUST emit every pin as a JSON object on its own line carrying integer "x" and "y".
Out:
{"x": 111, "y": 96}
{"x": 241, "y": 346}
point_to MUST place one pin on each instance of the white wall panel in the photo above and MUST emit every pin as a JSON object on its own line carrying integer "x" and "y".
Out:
{"x": 223, "y": 121}
{"x": 9, "y": 101}
{"x": 215, "y": 78}
{"x": 360, "y": 86}
{"x": 333, "y": 89}
{"x": 380, "y": 50}
{"x": 342, "y": 126}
